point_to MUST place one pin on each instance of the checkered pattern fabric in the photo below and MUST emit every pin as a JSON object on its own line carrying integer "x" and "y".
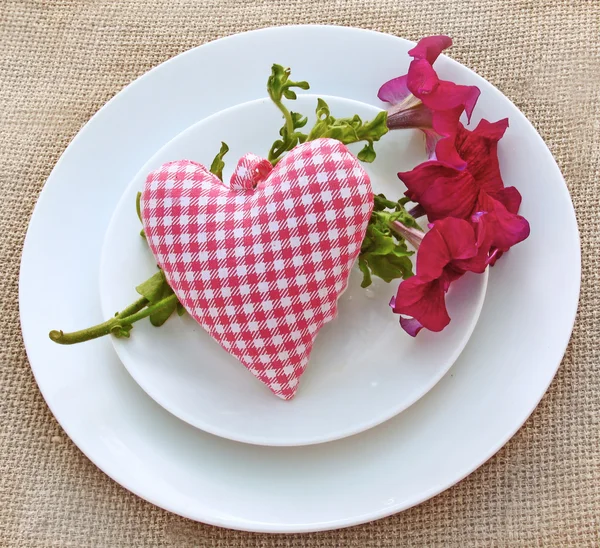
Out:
{"x": 260, "y": 264}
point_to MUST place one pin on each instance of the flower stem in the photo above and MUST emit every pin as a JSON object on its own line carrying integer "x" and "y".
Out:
{"x": 417, "y": 211}
{"x": 274, "y": 155}
{"x": 289, "y": 122}
{"x": 411, "y": 235}
{"x": 133, "y": 308}
{"x": 133, "y": 313}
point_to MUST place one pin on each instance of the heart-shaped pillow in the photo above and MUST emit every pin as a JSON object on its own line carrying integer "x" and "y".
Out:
{"x": 260, "y": 264}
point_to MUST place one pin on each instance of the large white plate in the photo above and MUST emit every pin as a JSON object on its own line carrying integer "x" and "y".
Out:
{"x": 363, "y": 369}
{"x": 491, "y": 390}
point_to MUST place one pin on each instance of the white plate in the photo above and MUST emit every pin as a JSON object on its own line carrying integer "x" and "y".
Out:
{"x": 363, "y": 369}
{"x": 492, "y": 388}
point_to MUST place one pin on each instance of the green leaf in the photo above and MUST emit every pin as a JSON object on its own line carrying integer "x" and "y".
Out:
{"x": 299, "y": 120}
{"x": 218, "y": 164}
{"x": 322, "y": 109}
{"x": 156, "y": 289}
{"x": 390, "y": 266}
{"x": 383, "y": 252}
{"x": 399, "y": 211}
{"x": 180, "y": 309}
{"x": 345, "y": 130}
{"x": 367, "y": 154}
{"x": 381, "y": 203}
{"x": 138, "y": 210}
{"x": 160, "y": 317}
{"x": 349, "y": 130}
{"x": 121, "y": 331}
{"x": 404, "y": 217}
{"x": 279, "y": 86}
{"x": 152, "y": 288}
{"x": 364, "y": 268}
{"x": 279, "y": 83}
{"x": 375, "y": 129}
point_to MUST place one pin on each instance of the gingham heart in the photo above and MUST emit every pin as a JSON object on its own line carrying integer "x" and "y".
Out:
{"x": 260, "y": 264}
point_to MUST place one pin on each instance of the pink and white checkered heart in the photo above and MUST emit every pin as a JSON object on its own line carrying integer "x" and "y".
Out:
{"x": 260, "y": 264}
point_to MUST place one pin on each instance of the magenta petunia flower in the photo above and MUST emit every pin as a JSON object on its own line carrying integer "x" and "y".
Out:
{"x": 421, "y": 100}
{"x": 451, "y": 248}
{"x": 443, "y": 191}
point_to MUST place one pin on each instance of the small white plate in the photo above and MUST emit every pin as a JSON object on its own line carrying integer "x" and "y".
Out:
{"x": 470, "y": 414}
{"x": 364, "y": 368}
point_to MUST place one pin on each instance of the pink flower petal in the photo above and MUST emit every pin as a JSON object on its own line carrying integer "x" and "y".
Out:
{"x": 510, "y": 197}
{"x": 431, "y": 141}
{"x": 422, "y": 80}
{"x": 447, "y": 101}
{"x": 480, "y": 222}
{"x": 492, "y": 131}
{"x": 451, "y": 274}
{"x": 432, "y": 256}
{"x": 471, "y": 97}
{"x": 445, "y": 149}
{"x": 421, "y": 100}
{"x": 441, "y": 190}
{"x": 507, "y": 228}
{"x": 430, "y": 47}
{"x": 448, "y": 240}
{"x": 477, "y": 263}
{"x": 494, "y": 256}
{"x": 411, "y": 325}
{"x": 405, "y": 117}
{"x": 448, "y": 95}
{"x": 395, "y": 91}
{"x": 479, "y": 148}
{"x": 458, "y": 236}
{"x": 447, "y": 251}
{"x": 424, "y": 301}
{"x": 444, "y": 191}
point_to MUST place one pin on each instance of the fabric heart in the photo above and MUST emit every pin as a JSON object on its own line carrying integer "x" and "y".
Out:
{"x": 260, "y": 264}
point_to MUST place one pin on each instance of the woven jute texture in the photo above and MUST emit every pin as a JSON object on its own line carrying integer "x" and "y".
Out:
{"x": 61, "y": 61}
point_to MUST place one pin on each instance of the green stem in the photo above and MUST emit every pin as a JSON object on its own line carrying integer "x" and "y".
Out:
{"x": 289, "y": 125}
{"x": 289, "y": 122}
{"x": 132, "y": 308}
{"x": 148, "y": 311}
{"x": 133, "y": 313}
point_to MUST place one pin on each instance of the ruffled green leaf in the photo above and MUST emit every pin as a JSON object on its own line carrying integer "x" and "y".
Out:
{"x": 367, "y": 154}
{"x": 121, "y": 331}
{"x": 217, "y": 166}
{"x": 279, "y": 86}
{"x": 299, "y": 120}
{"x": 364, "y": 268}
{"x": 384, "y": 253}
{"x": 349, "y": 130}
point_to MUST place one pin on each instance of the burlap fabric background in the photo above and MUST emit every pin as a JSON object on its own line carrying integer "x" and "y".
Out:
{"x": 61, "y": 61}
